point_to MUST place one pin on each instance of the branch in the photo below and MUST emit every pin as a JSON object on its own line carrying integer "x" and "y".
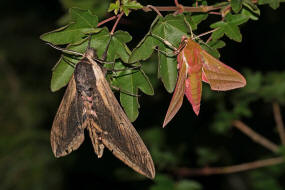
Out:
{"x": 106, "y": 20}
{"x": 255, "y": 136}
{"x": 202, "y": 9}
{"x": 229, "y": 169}
{"x": 116, "y": 23}
{"x": 279, "y": 121}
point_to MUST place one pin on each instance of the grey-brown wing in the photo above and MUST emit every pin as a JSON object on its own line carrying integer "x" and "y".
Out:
{"x": 67, "y": 132}
{"x": 117, "y": 132}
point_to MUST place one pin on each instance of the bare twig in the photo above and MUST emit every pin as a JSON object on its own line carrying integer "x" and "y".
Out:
{"x": 202, "y": 9}
{"x": 279, "y": 121}
{"x": 229, "y": 169}
{"x": 106, "y": 20}
{"x": 154, "y": 8}
{"x": 116, "y": 23}
{"x": 255, "y": 136}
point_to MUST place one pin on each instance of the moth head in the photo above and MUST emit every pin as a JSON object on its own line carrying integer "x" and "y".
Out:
{"x": 90, "y": 53}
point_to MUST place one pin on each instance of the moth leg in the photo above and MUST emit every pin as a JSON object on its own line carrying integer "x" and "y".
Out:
{"x": 125, "y": 92}
{"x": 69, "y": 62}
{"x": 167, "y": 54}
{"x": 96, "y": 138}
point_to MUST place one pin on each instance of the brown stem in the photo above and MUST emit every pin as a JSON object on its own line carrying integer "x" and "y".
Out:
{"x": 185, "y": 9}
{"x": 116, "y": 23}
{"x": 106, "y": 20}
{"x": 229, "y": 169}
{"x": 255, "y": 136}
{"x": 279, "y": 121}
{"x": 154, "y": 8}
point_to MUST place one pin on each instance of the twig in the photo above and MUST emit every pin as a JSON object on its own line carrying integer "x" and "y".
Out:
{"x": 154, "y": 8}
{"x": 116, "y": 23}
{"x": 107, "y": 20}
{"x": 229, "y": 169}
{"x": 279, "y": 121}
{"x": 186, "y": 9}
{"x": 255, "y": 136}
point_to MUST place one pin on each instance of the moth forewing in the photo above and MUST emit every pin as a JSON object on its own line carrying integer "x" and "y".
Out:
{"x": 67, "y": 132}
{"x": 115, "y": 130}
{"x": 220, "y": 76}
{"x": 90, "y": 103}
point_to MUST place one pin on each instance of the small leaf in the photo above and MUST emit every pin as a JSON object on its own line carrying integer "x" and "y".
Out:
{"x": 130, "y": 81}
{"x": 236, "y": 5}
{"x": 132, "y": 5}
{"x": 114, "y": 7}
{"x": 249, "y": 14}
{"x": 195, "y": 19}
{"x": 82, "y": 22}
{"x": 251, "y": 6}
{"x": 274, "y": 4}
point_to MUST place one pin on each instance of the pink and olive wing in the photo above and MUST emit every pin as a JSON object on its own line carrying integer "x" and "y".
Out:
{"x": 220, "y": 76}
{"x": 177, "y": 98}
{"x": 67, "y": 132}
{"x": 193, "y": 83}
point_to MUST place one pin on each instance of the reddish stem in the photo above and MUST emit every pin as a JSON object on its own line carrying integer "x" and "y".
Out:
{"x": 229, "y": 169}
{"x": 116, "y": 23}
{"x": 106, "y": 20}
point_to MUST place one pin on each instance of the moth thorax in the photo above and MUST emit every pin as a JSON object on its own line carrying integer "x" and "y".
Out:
{"x": 90, "y": 53}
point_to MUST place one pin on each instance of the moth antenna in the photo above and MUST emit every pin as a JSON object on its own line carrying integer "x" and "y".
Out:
{"x": 189, "y": 27}
{"x": 165, "y": 42}
{"x": 125, "y": 69}
{"x": 69, "y": 62}
{"x": 89, "y": 41}
{"x": 167, "y": 54}
{"x": 104, "y": 56}
{"x": 205, "y": 33}
{"x": 64, "y": 50}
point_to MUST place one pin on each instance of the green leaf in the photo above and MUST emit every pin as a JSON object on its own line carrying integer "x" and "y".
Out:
{"x": 115, "y": 7}
{"x": 130, "y": 81}
{"x": 195, "y": 19}
{"x": 251, "y": 7}
{"x": 213, "y": 46}
{"x": 63, "y": 70}
{"x": 82, "y": 22}
{"x": 132, "y": 5}
{"x": 170, "y": 28}
{"x": 236, "y": 5}
{"x": 237, "y": 19}
{"x": 229, "y": 27}
{"x": 117, "y": 49}
{"x": 274, "y": 4}
{"x": 249, "y": 14}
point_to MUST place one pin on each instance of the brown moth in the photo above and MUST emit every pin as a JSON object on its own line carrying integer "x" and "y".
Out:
{"x": 89, "y": 103}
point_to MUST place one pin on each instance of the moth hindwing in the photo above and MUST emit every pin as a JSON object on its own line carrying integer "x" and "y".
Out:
{"x": 90, "y": 103}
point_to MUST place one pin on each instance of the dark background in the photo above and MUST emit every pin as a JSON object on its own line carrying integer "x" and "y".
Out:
{"x": 27, "y": 108}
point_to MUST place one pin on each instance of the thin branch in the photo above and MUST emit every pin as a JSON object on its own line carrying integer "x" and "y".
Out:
{"x": 154, "y": 8}
{"x": 229, "y": 169}
{"x": 255, "y": 136}
{"x": 107, "y": 20}
{"x": 202, "y": 9}
{"x": 116, "y": 23}
{"x": 279, "y": 121}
